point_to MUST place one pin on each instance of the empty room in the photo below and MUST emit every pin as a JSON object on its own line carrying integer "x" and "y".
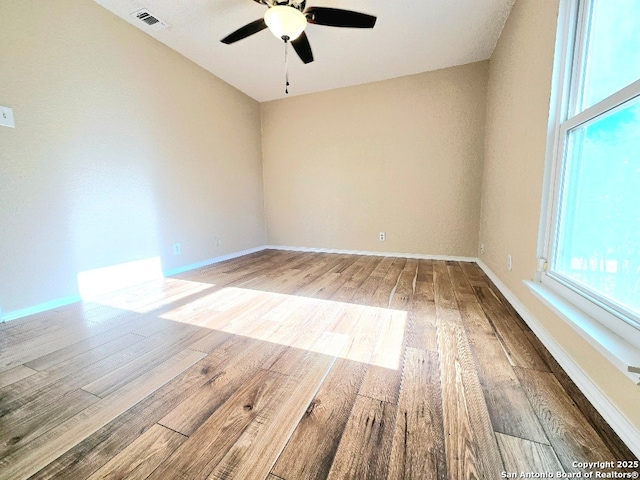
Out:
{"x": 343, "y": 239}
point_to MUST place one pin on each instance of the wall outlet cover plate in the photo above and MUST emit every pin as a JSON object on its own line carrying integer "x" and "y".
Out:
{"x": 6, "y": 117}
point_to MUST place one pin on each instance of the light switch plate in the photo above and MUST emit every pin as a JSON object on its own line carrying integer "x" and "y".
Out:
{"x": 6, "y": 117}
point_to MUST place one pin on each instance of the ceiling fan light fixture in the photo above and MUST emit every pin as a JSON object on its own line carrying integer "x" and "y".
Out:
{"x": 285, "y": 21}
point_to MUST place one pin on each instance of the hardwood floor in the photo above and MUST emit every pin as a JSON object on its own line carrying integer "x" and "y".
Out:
{"x": 290, "y": 366}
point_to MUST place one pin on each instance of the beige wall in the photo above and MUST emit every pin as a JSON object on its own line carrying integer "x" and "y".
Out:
{"x": 122, "y": 147}
{"x": 518, "y": 96}
{"x": 402, "y": 156}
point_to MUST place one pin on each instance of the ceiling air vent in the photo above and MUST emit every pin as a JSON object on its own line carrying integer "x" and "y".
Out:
{"x": 151, "y": 20}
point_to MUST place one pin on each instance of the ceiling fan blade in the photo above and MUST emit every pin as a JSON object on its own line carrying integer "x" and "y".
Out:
{"x": 244, "y": 32}
{"x": 302, "y": 48}
{"x": 336, "y": 17}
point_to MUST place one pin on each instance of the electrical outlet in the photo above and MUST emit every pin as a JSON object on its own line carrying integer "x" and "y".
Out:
{"x": 482, "y": 248}
{"x": 382, "y": 236}
{"x": 176, "y": 249}
{"x": 509, "y": 263}
{"x": 217, "y": 241}
{"x": 6, "y": 117}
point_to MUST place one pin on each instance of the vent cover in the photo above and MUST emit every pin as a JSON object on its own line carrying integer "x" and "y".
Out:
{"x": 151, "y": 20}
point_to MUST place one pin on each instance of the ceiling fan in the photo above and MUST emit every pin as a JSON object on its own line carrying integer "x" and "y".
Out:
{"x": 287, "y": 20}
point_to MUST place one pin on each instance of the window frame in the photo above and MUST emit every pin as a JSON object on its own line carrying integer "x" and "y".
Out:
{"x": 570, "y": 58}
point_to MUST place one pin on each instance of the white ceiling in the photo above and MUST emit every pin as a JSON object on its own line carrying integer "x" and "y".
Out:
{"x": 410, "y": 36}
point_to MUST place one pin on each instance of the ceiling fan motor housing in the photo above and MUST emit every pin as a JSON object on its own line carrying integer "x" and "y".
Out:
{"x": 298, "y": 5}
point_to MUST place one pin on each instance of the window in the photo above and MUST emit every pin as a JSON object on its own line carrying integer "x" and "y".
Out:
{"x": 592, "y": 229}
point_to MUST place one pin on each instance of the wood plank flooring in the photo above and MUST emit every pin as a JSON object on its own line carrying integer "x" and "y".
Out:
{"x": 289, "y": 366}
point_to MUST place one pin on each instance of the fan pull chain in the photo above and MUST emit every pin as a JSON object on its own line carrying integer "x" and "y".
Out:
{"x": 286, "y": 64}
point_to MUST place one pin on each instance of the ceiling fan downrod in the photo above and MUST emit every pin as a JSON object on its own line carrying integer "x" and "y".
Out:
{"x": 286, "y": 64}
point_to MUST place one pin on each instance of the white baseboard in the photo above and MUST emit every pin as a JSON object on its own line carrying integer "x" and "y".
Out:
{"x": 211, "y": 261}
{"x": 51, "y": 304}
{"x": 629, "y": 434}
{"x": 41, "y": 307}
{"x": 375, "y": 254}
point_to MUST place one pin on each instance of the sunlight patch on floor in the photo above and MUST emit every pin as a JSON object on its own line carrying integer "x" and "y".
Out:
{"x": 355, "y": 332}
{"x": 155, "y": 294}
{"x": 376, "y": 334}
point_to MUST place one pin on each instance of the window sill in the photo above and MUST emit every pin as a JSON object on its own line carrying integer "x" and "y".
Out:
{"x": 621, "y": 353}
